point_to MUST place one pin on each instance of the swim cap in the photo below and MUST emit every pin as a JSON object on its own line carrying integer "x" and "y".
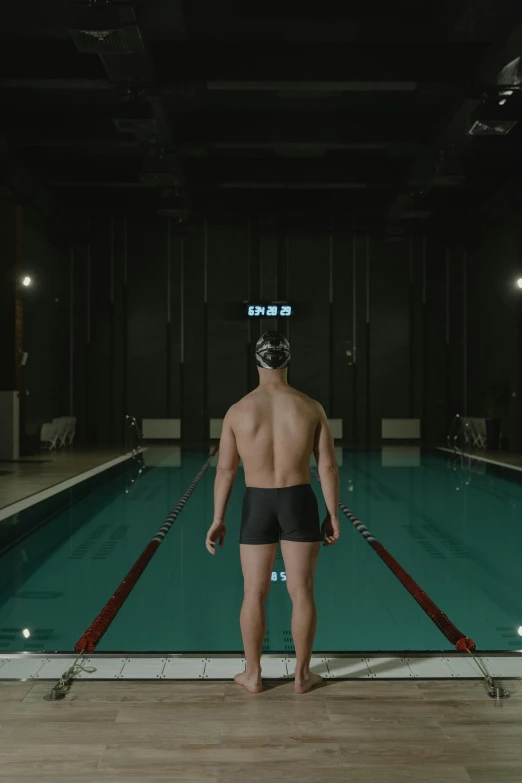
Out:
{"x": 272, "y": 351}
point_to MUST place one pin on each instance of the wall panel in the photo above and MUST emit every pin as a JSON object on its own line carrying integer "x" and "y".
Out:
{"x": 101, "y": 329}
{"x": 46, "y": 319}
{"x": 147, "y": 297}
{"x": 435, "y": 368}
{"x": 494, "y": 345}
{"x": 342, "y": 390}
{"x": 155, "y": 333}
{"x": 174, "y": 328}
{"x": 361, "y": 282}
{"x": 81, "y": 341}
{"x": 309, "y": 330}
{"x": 455, "y": 330}
{"x": 227, "y": 274}
{"x": 194, "y": 416}
{"x": 389, "y": 333}
{"x": 416, "y": 250}
{"x": 118, "y": 369}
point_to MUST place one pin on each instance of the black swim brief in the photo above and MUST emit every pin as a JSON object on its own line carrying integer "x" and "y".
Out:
{"x": 286, "y": 514}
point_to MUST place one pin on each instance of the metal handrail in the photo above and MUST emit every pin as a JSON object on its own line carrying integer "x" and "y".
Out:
{"x": 454, "y": 432}
{"x": 472, "y": 437}
{"x": 131, "y": 424}
{"x": 135, "y": 465}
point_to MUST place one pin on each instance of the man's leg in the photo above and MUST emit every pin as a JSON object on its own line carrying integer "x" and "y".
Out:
{"x": 300, "y": 562}
{"x": 257, "y": 562}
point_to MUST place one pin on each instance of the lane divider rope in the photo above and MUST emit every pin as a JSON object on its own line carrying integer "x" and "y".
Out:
{"x": 92, "y": 636}
{"x": 441, "y": 620}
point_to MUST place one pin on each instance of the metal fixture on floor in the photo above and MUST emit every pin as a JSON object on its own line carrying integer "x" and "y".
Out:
{"x": 60, "y": 690}
{"x": 451, "y": 632}
{"x": 495, "y": 689}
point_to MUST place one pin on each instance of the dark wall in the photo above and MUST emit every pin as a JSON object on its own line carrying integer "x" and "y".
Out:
{"x": 10, "y": 322}
{"x": 403, "y": 328}
{"x": 34, "y": 320}
{"x": 495, "y": 327}
{"x": 378, "y": 331}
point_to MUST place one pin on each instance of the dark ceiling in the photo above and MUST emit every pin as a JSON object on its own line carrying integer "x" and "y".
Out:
{"x": 283, "y": 108}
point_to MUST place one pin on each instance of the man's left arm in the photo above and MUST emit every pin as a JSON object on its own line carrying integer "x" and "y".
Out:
{"x": 228, "y": 464}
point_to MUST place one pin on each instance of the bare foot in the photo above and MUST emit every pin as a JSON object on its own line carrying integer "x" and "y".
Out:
{"x": 312, "y": 681}
{"x": 252, "y": 684}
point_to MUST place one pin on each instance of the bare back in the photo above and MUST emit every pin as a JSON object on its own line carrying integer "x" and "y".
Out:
{"x": 275, "y": 430}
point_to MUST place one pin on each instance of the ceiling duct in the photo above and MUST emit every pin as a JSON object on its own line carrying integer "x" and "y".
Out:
{"x": 497, "y": 114}
{"x": 394, "y": 233}
{"x": 491, "y": 127}
{"x": 177, "y": 213}
{"x": 161, "y": 170}
{"x": 136, "y": 125}
{"x": 450, "y": 171}
{"x": 511, "y": 74}
{"x": 105, "y": 28}
{"x": 411, "y": 206}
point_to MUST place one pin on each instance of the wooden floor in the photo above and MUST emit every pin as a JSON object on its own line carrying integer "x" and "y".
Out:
{"x": 28, "y": 476}
{"x": 345, "y": 732}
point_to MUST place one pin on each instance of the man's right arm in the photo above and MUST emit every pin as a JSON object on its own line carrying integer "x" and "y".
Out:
{"x": 324, "y": 453}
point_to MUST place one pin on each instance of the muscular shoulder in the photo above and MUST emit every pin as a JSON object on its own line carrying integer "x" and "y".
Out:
{"x": 313, "y": 406}
{"x": 239, "y": 408}
{"x": 318, "y": 408}
{"x": 244, "y": 403}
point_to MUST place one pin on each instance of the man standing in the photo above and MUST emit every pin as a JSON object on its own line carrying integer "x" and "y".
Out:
{"x": 274, "y": 430}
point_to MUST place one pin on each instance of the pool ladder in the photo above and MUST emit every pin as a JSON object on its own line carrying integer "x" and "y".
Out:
{"x": 136, "y": 464}
{"x": 457, "y": 438}
{"x": 132, "y": 430}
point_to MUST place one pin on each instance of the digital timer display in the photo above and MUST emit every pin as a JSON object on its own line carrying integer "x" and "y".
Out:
{"x": 269, "y": 310}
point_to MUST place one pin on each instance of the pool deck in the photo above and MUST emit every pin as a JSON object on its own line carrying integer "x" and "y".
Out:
{"x": 504, "y": 459}
{"x": 32, "y": 479}
{"x": 214, "y": 666}
{"x": 216, "y": 732}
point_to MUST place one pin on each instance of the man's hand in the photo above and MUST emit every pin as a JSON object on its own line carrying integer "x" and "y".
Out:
{"x": 217, "y": 532}
{"x": 331, "y": 529}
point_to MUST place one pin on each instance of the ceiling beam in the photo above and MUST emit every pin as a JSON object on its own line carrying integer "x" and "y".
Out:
{"x": 256, "y": 185}
{"x": 107, "y": 185}
{"x": 56, "y": 85}
{"x": 233, "y": 185}
{"x": 311, "y": 86}
{"x": 134, "y": 148}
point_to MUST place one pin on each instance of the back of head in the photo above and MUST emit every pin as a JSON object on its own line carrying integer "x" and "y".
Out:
{"x": 272, "y": 351}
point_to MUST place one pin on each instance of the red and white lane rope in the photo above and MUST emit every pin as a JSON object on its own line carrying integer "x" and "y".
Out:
{"x": 91, "y": 638}
{"x": 441, "y": 620}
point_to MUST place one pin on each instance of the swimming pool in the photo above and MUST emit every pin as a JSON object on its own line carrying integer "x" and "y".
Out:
{"x": 455, "y": 526}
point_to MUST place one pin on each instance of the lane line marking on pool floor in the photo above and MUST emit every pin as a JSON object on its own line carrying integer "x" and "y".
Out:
{"x": 209, "y": 667}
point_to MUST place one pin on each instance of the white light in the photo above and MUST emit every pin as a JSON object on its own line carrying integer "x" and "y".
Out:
{"x": 26, "y": 632}
{"x": 519, "y": 282}
{"x": 520, "y": 631}
{"x": 502, "y": 102}
{"x": 26, "y": 281}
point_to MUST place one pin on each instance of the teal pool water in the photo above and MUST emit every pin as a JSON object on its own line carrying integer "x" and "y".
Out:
{"x": 454, "y": 526}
